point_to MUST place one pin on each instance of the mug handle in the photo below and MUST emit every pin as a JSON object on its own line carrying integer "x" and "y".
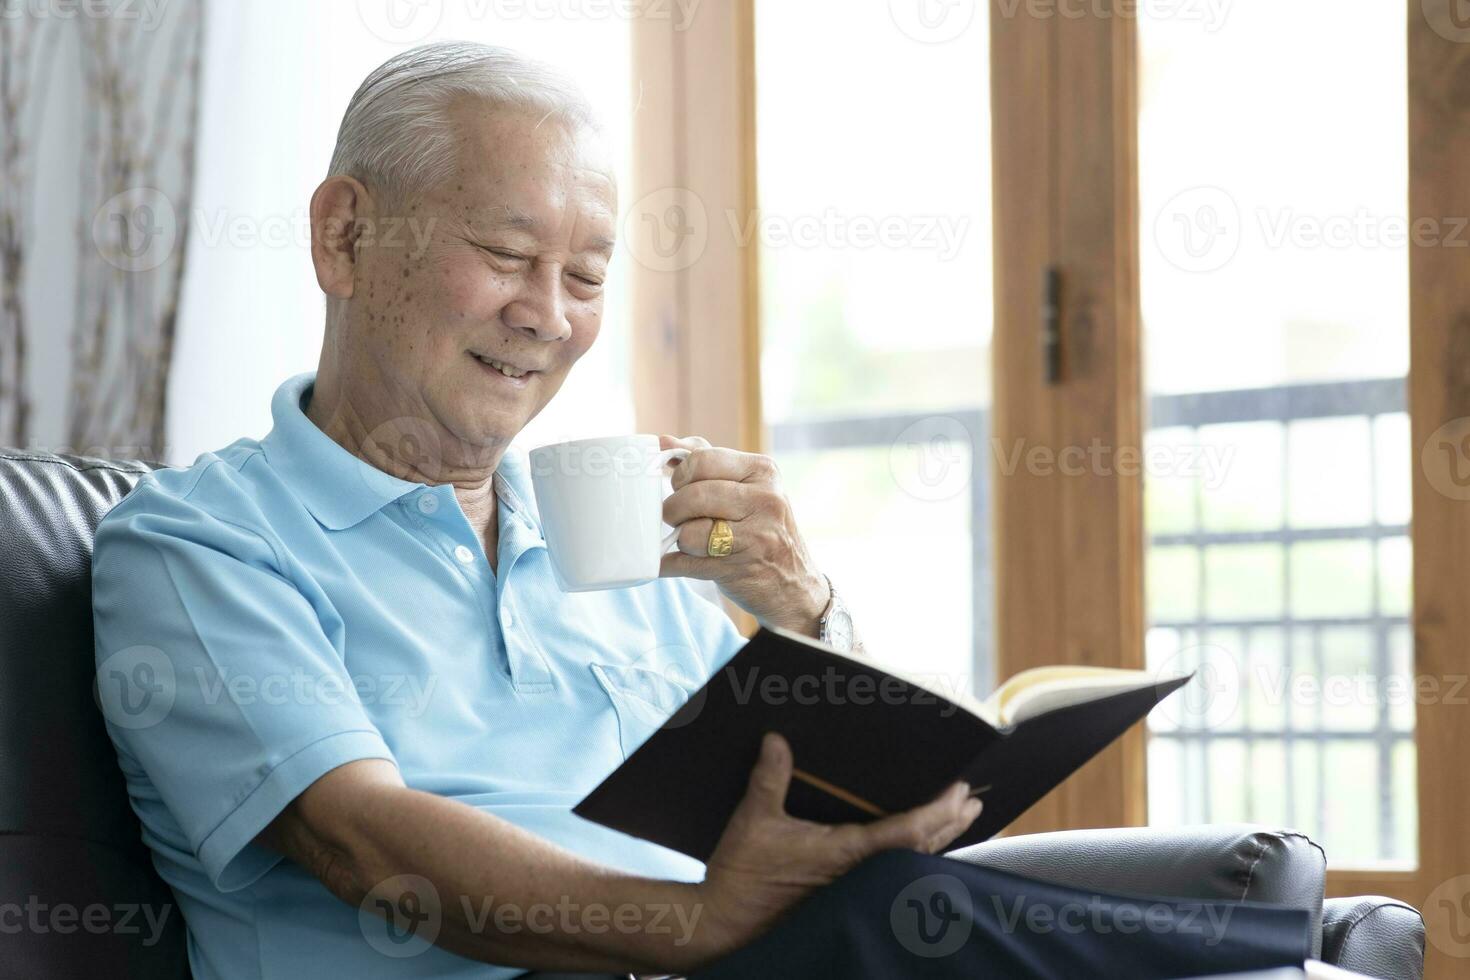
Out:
{"x": 664, "y": 458}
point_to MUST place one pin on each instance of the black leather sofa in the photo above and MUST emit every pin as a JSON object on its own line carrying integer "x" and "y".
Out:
{"x": 77, "y": 879}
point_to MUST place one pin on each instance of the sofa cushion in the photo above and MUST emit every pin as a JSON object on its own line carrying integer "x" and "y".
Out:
{"x": 69, "y": 841}
{"x": 1374, "y": 936}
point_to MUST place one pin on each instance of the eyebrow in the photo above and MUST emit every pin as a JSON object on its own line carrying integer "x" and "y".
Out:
{"x": 521, "y": 221}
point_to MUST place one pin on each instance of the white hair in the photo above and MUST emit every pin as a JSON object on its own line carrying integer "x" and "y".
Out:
{"x": 396, "y": 132}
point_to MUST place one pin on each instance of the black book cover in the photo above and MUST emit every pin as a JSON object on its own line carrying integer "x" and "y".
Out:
{"x": 864, "y": 743}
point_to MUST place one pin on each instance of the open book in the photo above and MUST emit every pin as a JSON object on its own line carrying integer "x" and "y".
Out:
{"x": 1042, "y": 689}
{"x": 866, "y": 741}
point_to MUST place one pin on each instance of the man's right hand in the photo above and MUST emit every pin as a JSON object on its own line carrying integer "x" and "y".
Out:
{"x": 767, "y": 860}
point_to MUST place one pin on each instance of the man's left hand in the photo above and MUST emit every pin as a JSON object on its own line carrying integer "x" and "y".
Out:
{"x": 768, "y": 573}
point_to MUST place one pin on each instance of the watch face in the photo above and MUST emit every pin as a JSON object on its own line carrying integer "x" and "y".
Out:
{"x": 839, "y": 630}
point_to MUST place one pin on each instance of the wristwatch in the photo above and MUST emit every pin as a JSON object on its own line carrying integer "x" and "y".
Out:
{"x": 835, "y": 626}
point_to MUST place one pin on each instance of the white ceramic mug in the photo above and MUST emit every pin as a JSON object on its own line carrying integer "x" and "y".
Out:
{"x": 601, "y": 503}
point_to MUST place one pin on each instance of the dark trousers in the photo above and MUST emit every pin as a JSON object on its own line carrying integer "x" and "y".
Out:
{"x": 904, "y": 914}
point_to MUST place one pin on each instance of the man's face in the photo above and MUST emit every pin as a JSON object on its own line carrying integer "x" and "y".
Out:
{"x": 508, "y": 266}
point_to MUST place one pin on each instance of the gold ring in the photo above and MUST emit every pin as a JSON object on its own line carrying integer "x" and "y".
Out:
{"x": 721, "y": 539}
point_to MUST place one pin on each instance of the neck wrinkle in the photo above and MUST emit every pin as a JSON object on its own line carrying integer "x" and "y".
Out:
{"x": 411, "y": 448}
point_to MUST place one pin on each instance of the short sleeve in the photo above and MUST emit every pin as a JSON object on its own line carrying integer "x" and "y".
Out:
{"x": 216, "y": 676}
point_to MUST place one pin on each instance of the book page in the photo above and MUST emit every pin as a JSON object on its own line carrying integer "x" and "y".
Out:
{"x": 1042, "y": 689}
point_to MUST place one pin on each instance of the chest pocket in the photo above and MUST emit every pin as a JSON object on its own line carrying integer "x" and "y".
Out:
{"x": 643, "y": 698}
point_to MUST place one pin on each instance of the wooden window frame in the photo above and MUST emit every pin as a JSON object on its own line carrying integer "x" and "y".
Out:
{"x": 1068, "y": 550}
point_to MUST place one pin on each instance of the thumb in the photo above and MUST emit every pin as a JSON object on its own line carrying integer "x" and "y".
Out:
{"x": 771, "y": 777}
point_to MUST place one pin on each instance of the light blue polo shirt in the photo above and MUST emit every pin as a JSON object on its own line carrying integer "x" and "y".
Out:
{"x": 281, "y": 608}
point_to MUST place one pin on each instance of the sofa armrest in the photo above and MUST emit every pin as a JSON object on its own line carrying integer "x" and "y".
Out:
{"x": 1216, "y": 862}
{"x": 1372, "y": 935}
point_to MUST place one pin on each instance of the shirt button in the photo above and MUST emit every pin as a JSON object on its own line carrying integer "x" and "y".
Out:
{"x": 508, "y": 618}
{"x": 465, "y": 555}
{"x": 428, "y": 504}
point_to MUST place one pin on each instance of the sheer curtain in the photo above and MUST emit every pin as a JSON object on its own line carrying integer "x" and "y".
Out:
{"x": 97, "y": 127}
{"x": 277, "y": 77}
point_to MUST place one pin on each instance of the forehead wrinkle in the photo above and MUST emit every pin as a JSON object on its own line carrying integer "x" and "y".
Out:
{"x": 505, "y": 216}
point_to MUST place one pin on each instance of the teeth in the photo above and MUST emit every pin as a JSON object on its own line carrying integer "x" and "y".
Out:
{"x": 504, "y": 369}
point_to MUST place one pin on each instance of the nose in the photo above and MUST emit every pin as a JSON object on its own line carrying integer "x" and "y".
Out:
{"x": 539, "y": 310}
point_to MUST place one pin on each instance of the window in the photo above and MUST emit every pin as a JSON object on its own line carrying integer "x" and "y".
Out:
{"x": 1275, "y": 319}
{"x": 874, "y": 235}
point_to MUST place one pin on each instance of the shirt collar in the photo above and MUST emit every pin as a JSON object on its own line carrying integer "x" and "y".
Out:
{"x": 341, "y": 490}
{"x": 512, "y": 483}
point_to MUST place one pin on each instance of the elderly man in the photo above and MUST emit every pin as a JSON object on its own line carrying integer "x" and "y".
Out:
{"x": 363, "y": 708}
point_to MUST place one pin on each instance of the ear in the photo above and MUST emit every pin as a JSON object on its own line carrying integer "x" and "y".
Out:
{"x": 341, "y": 209}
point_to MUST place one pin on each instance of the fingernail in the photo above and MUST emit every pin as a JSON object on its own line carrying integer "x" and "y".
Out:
{"x": 973, "y": 808}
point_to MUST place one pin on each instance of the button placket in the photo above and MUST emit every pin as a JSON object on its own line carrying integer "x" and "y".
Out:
{"x": 530, "y": 669}
{"x": 450, "y": 541}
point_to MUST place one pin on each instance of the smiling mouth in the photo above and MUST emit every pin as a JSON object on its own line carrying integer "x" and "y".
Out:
{"x": 510, "y": 371}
